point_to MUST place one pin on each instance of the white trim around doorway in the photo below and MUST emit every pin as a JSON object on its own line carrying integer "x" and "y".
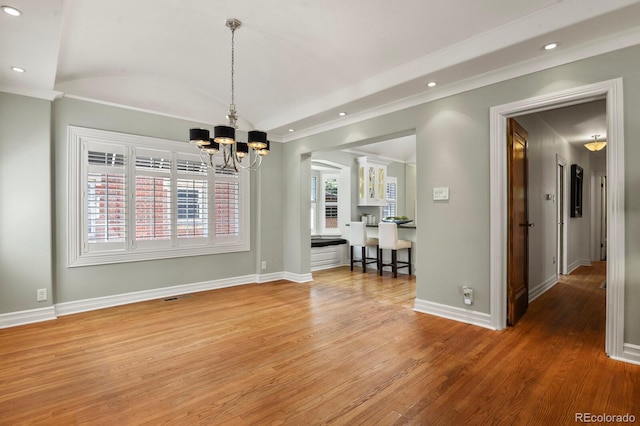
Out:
{"x": 611, "y": 90}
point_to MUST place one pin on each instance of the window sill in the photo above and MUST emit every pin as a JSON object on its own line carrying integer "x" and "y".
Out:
{"x": 140, "y": 255}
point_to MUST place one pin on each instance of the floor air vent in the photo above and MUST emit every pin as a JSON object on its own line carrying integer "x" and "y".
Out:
{"x": 182, "y": 296}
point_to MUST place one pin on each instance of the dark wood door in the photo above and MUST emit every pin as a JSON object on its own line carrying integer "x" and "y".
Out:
{"x": 518, "y": 270}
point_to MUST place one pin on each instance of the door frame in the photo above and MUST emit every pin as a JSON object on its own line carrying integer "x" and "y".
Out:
{"x": 595, "y": 249}
{"x": 562, "y": 214}
{"x": 611, "y": 90}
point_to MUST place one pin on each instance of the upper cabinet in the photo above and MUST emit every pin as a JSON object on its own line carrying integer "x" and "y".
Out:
{"x": 372, "y": 179}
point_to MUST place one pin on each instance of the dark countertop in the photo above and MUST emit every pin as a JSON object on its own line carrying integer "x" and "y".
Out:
{"x": 407, "y": 226}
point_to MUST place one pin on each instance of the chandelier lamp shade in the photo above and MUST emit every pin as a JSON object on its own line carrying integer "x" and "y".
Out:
{"x": 596, "y": 145}
{"x": 224, "y": 136}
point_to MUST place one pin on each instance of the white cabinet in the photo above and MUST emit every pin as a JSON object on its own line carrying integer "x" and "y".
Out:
{"x": 372, "y": 179}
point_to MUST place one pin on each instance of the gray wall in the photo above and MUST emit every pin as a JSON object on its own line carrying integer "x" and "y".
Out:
{"x": 544, "y": 145}
{"x": 25, "y": 202}
{"x": 394, "y": 169}
{"x": 95, "y": 281}
{"x": 29, "y": 258}
{"x": 453, "y": 151}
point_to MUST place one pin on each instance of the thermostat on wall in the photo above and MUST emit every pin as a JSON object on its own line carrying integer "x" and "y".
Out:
{"x": 440, "y": 194}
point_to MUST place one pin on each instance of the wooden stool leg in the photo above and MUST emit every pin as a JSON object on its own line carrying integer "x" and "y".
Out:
{"x": 394, "y": 263}
{"x": 364, "y": 259}
{"x": 409, "y": 260}
{"x": 380, "y": 261}
{"x": 351, "y": 247}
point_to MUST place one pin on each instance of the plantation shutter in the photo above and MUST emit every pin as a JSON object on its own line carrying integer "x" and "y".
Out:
{"x": 105, "y": 197}
{"x": 192, "y": 198}
{"x": 227, "y": 202}
{"x": 153, "y": 205}
{"x": 392, "y": 198}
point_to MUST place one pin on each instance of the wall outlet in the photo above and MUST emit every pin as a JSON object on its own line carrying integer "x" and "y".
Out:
{"x": 467, "y": 295}
{"x": 41, "y": 295}
{"x": 263, "y": 265}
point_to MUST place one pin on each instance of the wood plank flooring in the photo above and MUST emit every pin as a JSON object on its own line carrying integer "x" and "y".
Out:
{"x": 345, "y": 349}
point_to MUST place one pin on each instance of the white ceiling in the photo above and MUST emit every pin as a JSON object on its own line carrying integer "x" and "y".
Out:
{"x": 578, "y": 123}
{"x": 298, "y": 63}
{"x": 402, "y": 149}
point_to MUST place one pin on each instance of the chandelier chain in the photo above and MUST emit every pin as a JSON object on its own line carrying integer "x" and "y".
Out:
{"x": 233, "y": 33}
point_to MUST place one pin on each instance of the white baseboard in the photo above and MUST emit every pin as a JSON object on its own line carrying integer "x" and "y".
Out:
{"x": 630, "y": 354}
{"x": 265, "y": 278}
{"x": 13, "y": 319}
{"x": 578, "y": 263}
{"x": 451, "y": 312}
{"x": 298, "y": 278}
{"x": 67, "y": 308}
{"x": 538, "y": 290}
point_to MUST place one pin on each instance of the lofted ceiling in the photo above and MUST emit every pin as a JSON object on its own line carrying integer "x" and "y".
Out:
{"x": 298, "y": 62}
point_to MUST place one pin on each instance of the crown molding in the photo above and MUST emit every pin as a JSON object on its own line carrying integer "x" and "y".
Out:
{"x": 30, "y": 91}
{"x": 601, "y": 46}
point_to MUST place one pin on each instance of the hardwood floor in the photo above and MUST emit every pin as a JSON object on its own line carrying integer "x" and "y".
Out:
{"x": 345, "y": 349}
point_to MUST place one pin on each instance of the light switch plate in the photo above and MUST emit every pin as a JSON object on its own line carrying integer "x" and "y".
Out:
{"x": 440, "y": 194}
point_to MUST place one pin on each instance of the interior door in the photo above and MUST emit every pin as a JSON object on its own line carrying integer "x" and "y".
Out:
{"x": 518, "y": 225}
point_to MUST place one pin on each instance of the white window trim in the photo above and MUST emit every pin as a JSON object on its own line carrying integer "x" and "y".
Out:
{"x": 394, "y": 181}
{"x": 314, "y": 202}
{"x": 77, "y": 256}
{"x": 321, "y": 203}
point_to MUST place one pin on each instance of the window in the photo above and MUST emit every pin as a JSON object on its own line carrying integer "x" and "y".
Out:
{"x": 314, "y": 200}
{"x": 153, "y": 196}
{"x": 330, "y": 202}
{"x": 105, "y": 197}
{"x": 193, "y": 199}
{"x": 138, "y": 198}
{"x": 391, "y": 209}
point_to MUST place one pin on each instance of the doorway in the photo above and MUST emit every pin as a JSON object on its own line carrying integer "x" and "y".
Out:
{"x": 611, "y": 91}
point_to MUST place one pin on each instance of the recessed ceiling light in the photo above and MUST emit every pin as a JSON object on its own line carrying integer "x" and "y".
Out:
{"x": 292, "y": 130}
{"x": 11, "y": 11}
{"x": 18, "y": 69}
{"x": 432, "y": 84}
{"x": 342, "y": 114}
{"x": 550, "y": 46}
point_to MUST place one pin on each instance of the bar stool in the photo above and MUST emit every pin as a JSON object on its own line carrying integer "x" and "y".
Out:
{"x": 358, "y": 237}
{"x": 388, "y": 235}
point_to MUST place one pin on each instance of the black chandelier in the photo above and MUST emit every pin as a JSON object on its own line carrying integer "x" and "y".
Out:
{"x": 224, "y": 136}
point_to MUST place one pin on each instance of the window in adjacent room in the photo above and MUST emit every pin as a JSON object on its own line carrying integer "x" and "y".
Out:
{"x": 314, "y": 200}
{"x": 391, "y": 196}
{"x": 330, "y": 190}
